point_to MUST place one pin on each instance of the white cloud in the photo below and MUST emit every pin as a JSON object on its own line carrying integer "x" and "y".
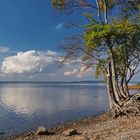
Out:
{"x": 79, "y": 72}
{"x": 59, "y": 26}
{"x": 29, "y": 62}
{"x": 73, "y": 72}
{"x": 41, "y": 66}
{"x": 4, "y": 49}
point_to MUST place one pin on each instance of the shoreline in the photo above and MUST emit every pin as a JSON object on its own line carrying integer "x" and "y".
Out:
{"x": 98, "y": 127}
{"x": 58, "y": 128}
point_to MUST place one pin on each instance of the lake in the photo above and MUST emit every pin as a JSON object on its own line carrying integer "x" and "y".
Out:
{"x": 25, "y": 106}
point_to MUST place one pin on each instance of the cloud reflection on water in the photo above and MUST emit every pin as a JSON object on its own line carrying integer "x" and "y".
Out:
{"x": 29, "y": 100}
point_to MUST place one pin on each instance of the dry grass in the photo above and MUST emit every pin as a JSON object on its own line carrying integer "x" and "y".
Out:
{"x": 134, "y": 87}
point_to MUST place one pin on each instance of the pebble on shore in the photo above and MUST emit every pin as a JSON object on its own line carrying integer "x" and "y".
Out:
{"x": 43, "y": 131}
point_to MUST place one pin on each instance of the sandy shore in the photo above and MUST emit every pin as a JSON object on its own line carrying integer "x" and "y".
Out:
{"x": 102, "y": 127}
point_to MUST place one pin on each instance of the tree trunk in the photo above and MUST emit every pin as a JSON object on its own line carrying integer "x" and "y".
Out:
{"x": 129, "y": 106}
{"x": 119, "y": 105}
{"x": 109, "y": 88}
{"x": 113, "y": 76}
{"x": 113, "y": 102}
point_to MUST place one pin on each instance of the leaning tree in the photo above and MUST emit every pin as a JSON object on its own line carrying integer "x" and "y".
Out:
{"x": 111, "y": 44}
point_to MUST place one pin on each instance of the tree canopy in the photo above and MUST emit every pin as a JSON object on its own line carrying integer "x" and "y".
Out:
{"x": 111, "y": 40}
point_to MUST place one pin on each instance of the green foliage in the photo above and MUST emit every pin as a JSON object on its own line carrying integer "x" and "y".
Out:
{"x": 100, "y": 71}
{"x": 125, "y": 37}
{"x": 95, "y": 34}
{"x": 59, "y": 4}
{"x": 123, "y": 34}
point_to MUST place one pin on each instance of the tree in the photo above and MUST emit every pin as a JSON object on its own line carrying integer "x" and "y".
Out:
{"x": 111, "y": 44}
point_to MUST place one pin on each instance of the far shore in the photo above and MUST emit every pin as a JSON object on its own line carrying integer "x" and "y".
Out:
{"x": 101, "y": 127}
{"x": 134, "y": 87}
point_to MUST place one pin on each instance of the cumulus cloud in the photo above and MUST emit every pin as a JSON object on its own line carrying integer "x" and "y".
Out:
{"x": 79, "y": 72}
{"x": 4, "y": 49}
{"x": 41, "y": 65}
{"x": 59, "y": 26}
{"x": 28, "y": 62}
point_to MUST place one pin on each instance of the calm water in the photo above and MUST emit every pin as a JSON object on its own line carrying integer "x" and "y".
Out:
{"x": 25, "y": 106}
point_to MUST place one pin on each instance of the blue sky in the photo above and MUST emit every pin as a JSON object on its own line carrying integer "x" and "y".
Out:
{"x": 30, "y": 34}
{"x": 29, "y": 24}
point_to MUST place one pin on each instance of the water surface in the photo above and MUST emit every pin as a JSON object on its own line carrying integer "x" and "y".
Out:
{"x": 25, "y": 106}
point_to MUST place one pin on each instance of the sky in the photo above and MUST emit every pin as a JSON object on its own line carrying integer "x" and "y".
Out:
{"x": 30, "y": 34}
